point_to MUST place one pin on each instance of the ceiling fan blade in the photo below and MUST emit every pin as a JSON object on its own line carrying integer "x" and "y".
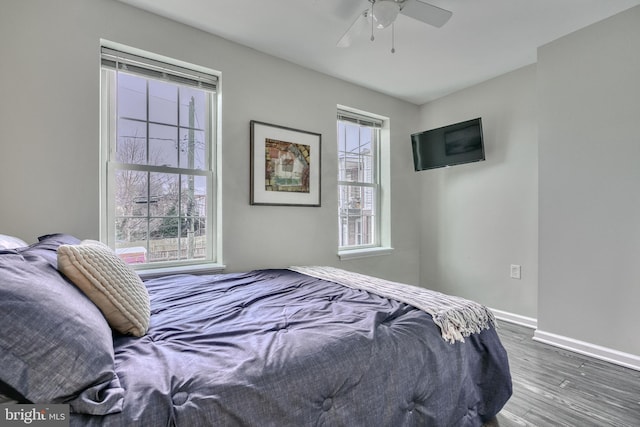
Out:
{"x": 359, "y": 26}
{"x": 425, "y": 12}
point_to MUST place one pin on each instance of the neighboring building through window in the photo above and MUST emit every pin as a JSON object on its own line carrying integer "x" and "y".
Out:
{"x": 360, "y": 203}
{"x": 158, "y": 154}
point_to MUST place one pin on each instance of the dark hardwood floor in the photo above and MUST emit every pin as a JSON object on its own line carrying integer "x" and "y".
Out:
{"x": 555, "y": 387}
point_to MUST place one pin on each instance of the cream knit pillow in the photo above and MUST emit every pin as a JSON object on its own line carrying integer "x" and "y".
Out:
{"x": 110, "y": 283}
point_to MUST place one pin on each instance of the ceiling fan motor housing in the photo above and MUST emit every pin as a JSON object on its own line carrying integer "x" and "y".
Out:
{"x": 385, "y": 12}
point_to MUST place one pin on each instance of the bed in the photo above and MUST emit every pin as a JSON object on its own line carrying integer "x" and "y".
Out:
{"x": 274, "y": 347}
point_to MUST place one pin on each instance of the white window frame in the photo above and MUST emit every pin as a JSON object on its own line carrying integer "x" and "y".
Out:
{"x": 381, "y": 185}
{"x": 173, "y": 71}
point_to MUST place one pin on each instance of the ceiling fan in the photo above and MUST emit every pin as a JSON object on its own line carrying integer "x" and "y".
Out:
{"x": 382, "y": 13}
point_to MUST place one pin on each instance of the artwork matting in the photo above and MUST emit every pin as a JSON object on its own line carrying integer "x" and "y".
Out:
{"x": 285, "y": 166}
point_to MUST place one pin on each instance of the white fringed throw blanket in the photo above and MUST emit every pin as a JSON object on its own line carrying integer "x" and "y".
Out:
{"x": 457, "y": 317}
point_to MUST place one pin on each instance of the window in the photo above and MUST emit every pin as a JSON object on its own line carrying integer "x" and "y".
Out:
{"x": 158, "y": 149}
{"x": 360, "y": 168}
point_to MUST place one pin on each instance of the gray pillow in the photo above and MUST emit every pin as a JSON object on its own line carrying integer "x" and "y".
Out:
{"x": 55, "y": 345}
{"x": 11, "y": 242}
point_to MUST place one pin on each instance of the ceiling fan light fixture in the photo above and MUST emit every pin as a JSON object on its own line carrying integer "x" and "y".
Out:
{"x": 385, "y": 12}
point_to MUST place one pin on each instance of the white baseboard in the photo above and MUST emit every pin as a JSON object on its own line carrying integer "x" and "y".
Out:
{"x": 529, "y": 322}
{"x": 592, "y": 350}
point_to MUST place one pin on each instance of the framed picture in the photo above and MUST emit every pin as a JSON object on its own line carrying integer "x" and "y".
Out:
{"x": 285, "y": 166}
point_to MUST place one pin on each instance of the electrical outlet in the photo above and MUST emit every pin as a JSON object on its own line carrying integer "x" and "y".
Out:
{"x": 516, "y": 271}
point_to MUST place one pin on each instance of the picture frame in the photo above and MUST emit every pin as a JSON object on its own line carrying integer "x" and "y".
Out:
{"x": 285, "y": 166}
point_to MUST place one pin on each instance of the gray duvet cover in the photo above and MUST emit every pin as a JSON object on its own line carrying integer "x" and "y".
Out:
{"x": 278, "y": 348}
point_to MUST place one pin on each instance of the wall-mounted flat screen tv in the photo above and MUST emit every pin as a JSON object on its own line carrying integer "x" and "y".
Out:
{"x": 448, "y": 145}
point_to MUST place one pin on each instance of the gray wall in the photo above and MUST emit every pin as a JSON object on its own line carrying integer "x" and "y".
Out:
{"x": 480, "y": 218}
{"x": 558, "y": 193}
{"x": 50, "y": 133}
{"x": 589, "y": 115}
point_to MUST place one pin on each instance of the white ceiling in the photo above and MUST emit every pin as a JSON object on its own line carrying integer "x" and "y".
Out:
{"x": 483, "y": 39}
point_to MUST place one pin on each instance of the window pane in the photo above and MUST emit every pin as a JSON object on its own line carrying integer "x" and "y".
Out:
{"x": 341, "y": 151}
{"x": 170, "y": 240}
{"x": 352, "y": 139}
{"x": 131, "y": 232}
{"x": 357, "y": 215}
{"x": 356, "y": 153}
{"x": 163, "y": 102}
{"x": 130, "y": 193}
{"x": 367, "y": 172}
{"x": 163, "y": 145}
{"x": 131, "y": 144}
{"x": 366, "y": 136}
{"x": 164, "y": 194}
{"x": 194, "y": 196}
{"x": 192, "y": 149}
{"x": 132, "y": 96}
{"x": 366, "y": 155}
{"x": 163, "y": 241}
{"x": 351, "y": 153}
{"x": 193, "y": 108}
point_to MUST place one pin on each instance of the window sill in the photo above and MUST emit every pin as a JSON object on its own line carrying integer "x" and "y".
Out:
{"x": 152, "y": 273}
{"x": 364, "y": 253}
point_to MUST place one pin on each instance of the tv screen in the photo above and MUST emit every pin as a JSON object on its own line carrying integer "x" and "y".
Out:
{"x": 448, "y": 145}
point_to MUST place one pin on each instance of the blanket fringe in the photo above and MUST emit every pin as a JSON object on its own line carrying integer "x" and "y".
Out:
{"x": 456, "y": 317}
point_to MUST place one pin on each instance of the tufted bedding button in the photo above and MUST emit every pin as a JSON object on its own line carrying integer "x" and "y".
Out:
{"x": 327, "y": 404}
{"x": 179, "y": 398}
{"x": 411, "y": 406}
